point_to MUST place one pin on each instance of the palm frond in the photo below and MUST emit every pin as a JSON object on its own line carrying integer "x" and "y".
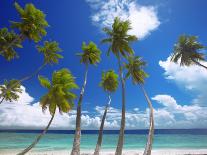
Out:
{"x": 187, "y": 50}
{"x": 109, "y": 81}
{"x": 60, "y": 91}
{"x": 118, "y": 38}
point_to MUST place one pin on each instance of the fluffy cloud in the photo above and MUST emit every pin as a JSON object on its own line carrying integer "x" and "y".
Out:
{"x": 192, "y": 78}
{"x": 186, "y": 116}
{"x": 143, "y": 18}
{"x": 25, "y": 115}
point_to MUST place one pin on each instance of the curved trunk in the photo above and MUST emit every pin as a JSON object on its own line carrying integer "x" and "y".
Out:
{"x": 24, "y": 79}
{"x": 2, "y": 100}
{"x": 122, "y": 128}
{"x": 38, "y": 138}
{"x": 148, "y": 147}
{"x": 77, "y": 137}
{"x": 33, "y": 74}
{"x": 199, "y": 64}
{"x": 100, "y": 136}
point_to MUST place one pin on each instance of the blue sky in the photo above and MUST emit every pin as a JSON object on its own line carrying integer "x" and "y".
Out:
{"x": 178, "y": 93}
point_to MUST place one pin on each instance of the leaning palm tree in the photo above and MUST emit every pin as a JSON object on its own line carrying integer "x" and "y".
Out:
{"x": 109, "y": 83}
{"x": 135, "y": 70}
{"x": 32, "y": 26}
{"x": 12, "y": 94}
{"x": 119, "y": 43}
{"x": 59, "y": 96}
{"x": 89, "y": 56}
{"x": 186, "y": 50}
{"x": 50, "y": 51}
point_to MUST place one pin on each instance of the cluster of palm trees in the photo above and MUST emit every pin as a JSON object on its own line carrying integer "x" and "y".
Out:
{"x": 60, "y": 95}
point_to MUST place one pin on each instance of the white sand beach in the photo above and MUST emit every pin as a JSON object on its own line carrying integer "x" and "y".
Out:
{"x": 111, "y": 152}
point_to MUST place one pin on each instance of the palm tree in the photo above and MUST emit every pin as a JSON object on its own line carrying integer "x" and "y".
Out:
{"x": 12, "y": 94}
{"x": 109, "y": 83}
{"x": 7, "y": 38}
{"x": 50, "y": 51}
{"x": 186, "y": 50}
{"x": 119, "y": 43}
{"x": 89, "y": 56}
{"x": 59, "y": 96}
{"x": 135, "y": 70}
{"x": 32, "y": 26}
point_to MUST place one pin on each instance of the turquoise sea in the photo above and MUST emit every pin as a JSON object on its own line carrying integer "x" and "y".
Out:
{"x": 133, "y": 140}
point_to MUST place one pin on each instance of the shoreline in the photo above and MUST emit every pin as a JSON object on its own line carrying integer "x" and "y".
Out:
{"x": 111, "y": 152}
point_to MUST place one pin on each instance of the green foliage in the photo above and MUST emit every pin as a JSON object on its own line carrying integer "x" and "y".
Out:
{"x": 91, "y": 54}
{"x": 32, "y": 24}
{"x": 109, "y": 81}
{"x": 186, "y": 50}
{"x": 50, "y": 51}
{"x": 119, "y": 39}
{"x": 59, "y": 91}
{"x": 11, "y": 90}
{"x": 135, "y": 69}
{"x": 44, "y": 82}
{"x": 9, "y": 41}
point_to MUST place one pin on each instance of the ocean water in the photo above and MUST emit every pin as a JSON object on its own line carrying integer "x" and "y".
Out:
{"x": 136, "y": 139}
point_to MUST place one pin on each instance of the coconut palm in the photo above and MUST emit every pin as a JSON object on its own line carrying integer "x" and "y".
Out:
{"x": 59, "y": 96}
{"x": 186, "y": 50}
{"x": 89, "y": 56}
{"x": 12, "y": 94}
{"x": 119, "y": 43}
{"x": 32, "y": 26}
{"x": 109, "y": 83}
{"x": 135, "y": 70}
{"x": 50, "y": 51}
{"x": 7, "y": 38}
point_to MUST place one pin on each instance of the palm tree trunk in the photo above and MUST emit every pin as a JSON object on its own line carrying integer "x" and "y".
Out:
{"x": 199, "y": 64}
{"x": 24, "y": 79}
{"x": 33, "y": 74}
{"x": 38, "y": 137}
{"x": 77, "y": 137}
{"x": 122, "y": 128}
{"x": 2, "y": 100}
{"x": 148, "y": 147}
{"x": 99, "y": 141}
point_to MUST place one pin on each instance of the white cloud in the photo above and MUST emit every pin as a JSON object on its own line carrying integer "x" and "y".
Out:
{"x": 144, "y": 19}
{"x": 24, "y": 115}
{"x": 186, "y": 116}
{"x": 192, "y": 78}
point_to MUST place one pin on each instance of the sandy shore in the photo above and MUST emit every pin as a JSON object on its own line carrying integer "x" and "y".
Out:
{"x": 111, "y": 152}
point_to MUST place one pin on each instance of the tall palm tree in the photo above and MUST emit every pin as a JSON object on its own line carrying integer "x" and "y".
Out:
{"x": 12, "y": 94}
{"x": 119, "y": 43}
{"x": 59, "y": 96}
{"x": 32, "y": 26}
{"x": 186, "y": 50}
{"x": 89, "y": 56}
{"x": 135, "y": 70}
{"x": 109, "y": 83}
{"x": 50, "y": 51}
